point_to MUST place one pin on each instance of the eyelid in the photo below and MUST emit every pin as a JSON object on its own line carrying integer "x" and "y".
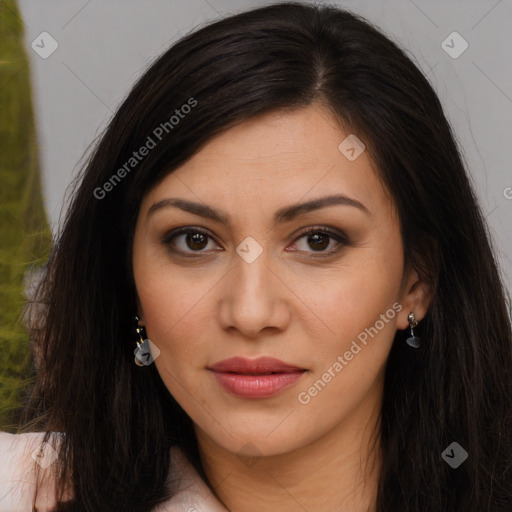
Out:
{"x": 184, "y": 230}
{"x": 335, "y": 232}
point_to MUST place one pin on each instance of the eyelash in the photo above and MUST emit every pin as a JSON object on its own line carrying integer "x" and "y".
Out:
{"x": 324, "y": 230}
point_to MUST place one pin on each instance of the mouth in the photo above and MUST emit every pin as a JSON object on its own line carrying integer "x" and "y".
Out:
{"x": 258, "y": 373}
{"x": 259, "y": 366}
{"x": 259, "y": 378}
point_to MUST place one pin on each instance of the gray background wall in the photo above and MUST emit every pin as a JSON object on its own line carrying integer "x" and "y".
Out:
{"x": 104, "y": 45}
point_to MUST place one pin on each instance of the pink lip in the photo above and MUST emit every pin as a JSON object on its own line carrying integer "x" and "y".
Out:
{"x": 255, "y": 378}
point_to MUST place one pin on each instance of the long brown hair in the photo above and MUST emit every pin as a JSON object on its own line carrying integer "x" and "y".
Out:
{"x": 120, "y": 421}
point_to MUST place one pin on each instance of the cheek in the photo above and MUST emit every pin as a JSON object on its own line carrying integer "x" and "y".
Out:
{"x": 172, "y": 307}
{"x": 359, "y": 310}
{"x": 174, "y": 320}
{"x": 353, "y": 298}
{"x": 177, "y": 310}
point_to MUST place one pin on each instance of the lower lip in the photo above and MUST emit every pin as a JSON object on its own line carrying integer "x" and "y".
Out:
{"x": 256, "y": 386}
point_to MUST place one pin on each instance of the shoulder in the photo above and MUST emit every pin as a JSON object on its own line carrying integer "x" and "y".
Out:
{"x": 19, "y": 453}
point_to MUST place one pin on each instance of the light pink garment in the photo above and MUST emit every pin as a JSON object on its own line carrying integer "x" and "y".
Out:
{"x": 17, "y": 479}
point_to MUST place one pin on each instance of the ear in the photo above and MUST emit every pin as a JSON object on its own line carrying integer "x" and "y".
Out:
{"x": 415, "y": 298}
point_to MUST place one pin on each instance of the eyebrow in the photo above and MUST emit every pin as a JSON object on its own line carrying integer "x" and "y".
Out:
{"x": 281, "y": 216}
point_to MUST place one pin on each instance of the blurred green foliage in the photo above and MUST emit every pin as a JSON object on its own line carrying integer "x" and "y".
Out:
{"x": 24, "y": 232}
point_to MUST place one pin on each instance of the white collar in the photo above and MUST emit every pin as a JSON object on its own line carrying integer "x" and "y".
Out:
{"x": 193, "y": 493}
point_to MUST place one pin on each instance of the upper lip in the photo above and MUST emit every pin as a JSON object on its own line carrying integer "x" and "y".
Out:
{"x": 257, "y": 366}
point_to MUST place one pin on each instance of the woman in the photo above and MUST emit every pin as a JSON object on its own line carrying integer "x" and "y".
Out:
{"x": 274, "y": 290}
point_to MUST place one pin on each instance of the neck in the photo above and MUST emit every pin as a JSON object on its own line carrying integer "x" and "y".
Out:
{"x": 338, "y": 471}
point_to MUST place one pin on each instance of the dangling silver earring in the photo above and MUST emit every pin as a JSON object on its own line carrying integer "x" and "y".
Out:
{"x": 413, "y": 341}
{"x": 140, "y": 343}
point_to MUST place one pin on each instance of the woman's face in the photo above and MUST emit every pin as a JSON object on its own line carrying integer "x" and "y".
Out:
{"x": 248, "y": 281}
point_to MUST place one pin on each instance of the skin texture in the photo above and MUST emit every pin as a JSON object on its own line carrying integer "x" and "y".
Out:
{"x": 291, "y": 303}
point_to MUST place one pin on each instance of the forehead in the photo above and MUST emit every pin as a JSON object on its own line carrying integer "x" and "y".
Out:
{"x": 274, "y": 159}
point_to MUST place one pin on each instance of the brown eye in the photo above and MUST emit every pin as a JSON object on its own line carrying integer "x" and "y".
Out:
{"x": 187, "y": 241}
{"x": 320, "y": 240}
{"x": 196, "y": 241}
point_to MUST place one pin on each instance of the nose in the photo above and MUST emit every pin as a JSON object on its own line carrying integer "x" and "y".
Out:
{"x": 254, "y": 298}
